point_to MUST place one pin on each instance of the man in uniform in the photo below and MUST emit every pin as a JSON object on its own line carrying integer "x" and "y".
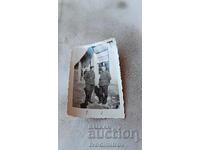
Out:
{"x": 89, "y": 77}
{"x": 104, "y": 82}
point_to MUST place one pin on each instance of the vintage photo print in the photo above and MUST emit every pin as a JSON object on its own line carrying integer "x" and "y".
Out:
{"x": 95, "y": 87}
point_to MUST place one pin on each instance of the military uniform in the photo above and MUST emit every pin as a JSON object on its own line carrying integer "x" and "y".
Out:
{"x": 104, "y": 82}
{"x": 89, "y": 85}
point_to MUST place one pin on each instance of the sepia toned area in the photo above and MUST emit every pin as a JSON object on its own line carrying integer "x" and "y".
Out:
{"x": 88, "y": 21}
{"x": 96, "y": 79}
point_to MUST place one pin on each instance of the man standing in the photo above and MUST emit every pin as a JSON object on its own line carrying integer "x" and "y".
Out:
{"x": 89, "y": 77}
{"x": 104, "y": 82}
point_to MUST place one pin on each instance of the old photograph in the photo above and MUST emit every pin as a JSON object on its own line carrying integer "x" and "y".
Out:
{"x": 100, "y": 72}
{"x": 96, "y": 82}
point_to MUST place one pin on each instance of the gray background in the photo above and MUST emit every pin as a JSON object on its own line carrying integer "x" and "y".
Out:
{"x": 87, "y": 21}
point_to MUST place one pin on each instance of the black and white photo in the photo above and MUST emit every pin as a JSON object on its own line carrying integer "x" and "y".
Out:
{"x": 95, "y": 78}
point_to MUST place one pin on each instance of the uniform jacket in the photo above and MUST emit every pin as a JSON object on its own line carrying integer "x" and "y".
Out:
{"x": 89, "y": 77}
{"x": 104, "y": 78}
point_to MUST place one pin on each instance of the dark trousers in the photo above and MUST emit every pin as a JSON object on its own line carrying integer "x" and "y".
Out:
{"x": 103, "y": 92}
{"x": 88, "y": 92}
